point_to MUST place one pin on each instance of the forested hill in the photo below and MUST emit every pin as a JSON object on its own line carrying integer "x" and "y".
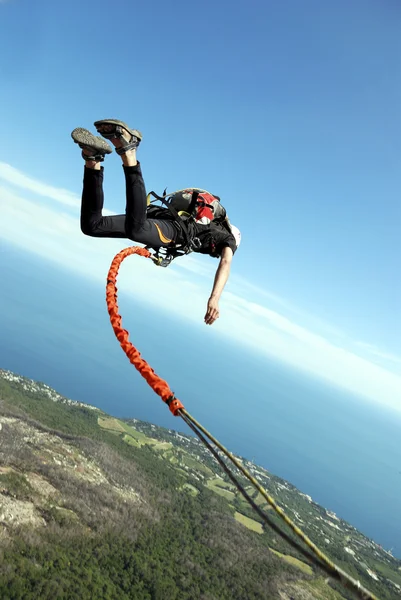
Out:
{"x": 93, "y": 507}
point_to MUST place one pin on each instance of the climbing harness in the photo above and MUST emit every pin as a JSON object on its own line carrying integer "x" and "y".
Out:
{"x": 162, "y": 388}
{"x": 162, "y": 257}
{"x": 188, "y": 207}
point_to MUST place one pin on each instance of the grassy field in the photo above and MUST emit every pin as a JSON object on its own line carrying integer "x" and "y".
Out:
{"x": 261, "y": 501}
{"x": 221, "y": 491}
{"x": 294, "y": 561}
{"x": 249, "y": 523}
{"x": 387, "y": 572}
{"x": 320, "y": 589}
{"x": 223, "y": 484}
{"x": 111, "y": 424}
{"x": 192, "y": 463}
{"x": 138, "y": 435}
{"x": 181, "y": 472}
{"x": 163, "y": 446}
{"x": 132, "y": 436}
{"x": 131, "y": 441}
{"x": 191, "y": 489}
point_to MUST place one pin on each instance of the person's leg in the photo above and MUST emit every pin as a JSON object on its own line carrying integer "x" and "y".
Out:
{"x": 152, "y": 232}
{"x": 93, "y": 223}
{"x": 138, "y": 227}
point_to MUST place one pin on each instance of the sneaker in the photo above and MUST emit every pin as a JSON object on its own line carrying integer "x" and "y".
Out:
{"x": 114, "y": 129}
{"x": 93, "y": 147}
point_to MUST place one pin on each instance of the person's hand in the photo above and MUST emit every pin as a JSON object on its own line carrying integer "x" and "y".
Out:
{"x": 212, "y": 312}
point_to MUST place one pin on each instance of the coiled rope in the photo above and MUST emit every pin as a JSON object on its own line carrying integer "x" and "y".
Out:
{"x": 161, "y": 387}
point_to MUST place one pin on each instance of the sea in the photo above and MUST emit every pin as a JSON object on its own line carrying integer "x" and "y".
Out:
{"x": 342, "y": 450}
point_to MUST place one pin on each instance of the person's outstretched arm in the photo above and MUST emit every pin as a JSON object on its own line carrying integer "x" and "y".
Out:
{"x": 220, "y": 280}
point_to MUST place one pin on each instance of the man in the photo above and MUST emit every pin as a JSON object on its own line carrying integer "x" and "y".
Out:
{"x": 165, "y": 231}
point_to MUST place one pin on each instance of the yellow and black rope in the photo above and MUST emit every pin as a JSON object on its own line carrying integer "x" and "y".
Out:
{"x": 162, "y": 388}
{"x": 318, "y": 557}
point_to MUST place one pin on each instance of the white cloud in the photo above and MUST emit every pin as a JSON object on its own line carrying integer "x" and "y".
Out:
{"x": 195, "y": 265}
{"x": 19, "y": 179}
{"x": 373, "y": 350}
{"x": 50, "y": 231}
{"x": 278, "y": 336}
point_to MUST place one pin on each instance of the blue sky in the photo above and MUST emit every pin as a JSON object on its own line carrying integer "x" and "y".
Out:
{"x": 290, "y": 111}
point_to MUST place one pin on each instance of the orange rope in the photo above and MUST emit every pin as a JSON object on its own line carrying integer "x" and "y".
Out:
{"x": 160, "y": 386}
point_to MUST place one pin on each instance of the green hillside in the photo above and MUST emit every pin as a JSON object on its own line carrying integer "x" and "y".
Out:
{"x": 96, "y": 507}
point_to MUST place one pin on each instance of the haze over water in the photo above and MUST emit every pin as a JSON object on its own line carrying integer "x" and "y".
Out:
{"x": 340, "y": 449}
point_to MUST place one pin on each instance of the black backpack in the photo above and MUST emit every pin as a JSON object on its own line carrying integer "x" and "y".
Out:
{"x": 189, "y": 205}
{"x": 198, "y": 205}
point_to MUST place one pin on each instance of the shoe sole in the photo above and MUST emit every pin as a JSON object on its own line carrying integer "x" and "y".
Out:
{"x": 83, "y": 137}
{"x": 134, "y": 132}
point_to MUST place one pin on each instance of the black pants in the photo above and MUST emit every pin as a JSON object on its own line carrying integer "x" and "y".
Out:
{"x": 135, "y": 225}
